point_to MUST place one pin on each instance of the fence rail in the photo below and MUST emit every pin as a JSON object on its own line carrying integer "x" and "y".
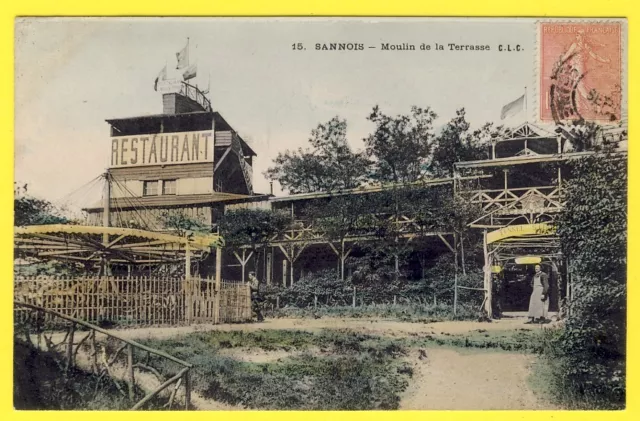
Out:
{"x": 136, "y": 300}
{"x": 104, "y": 358}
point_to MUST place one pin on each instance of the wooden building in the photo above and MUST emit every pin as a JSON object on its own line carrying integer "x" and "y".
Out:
{"x": 187, "y": 160}
{"x": 190, "y": 161}
{"x": 519, "y": 192}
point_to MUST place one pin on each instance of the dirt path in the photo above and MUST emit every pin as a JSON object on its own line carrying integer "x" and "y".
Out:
{"x": 380, "y": 327}
{"x": 450, "y": 380}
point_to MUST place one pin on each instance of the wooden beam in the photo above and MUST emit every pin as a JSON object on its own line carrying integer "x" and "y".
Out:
{"x": 446, "y": 243}
{"x": 221, "y": 160}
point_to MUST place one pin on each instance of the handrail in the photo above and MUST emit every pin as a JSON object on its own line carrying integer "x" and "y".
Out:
{"x": 183, "y": 374}
{"x": 198, "y": 97}
{"x": 106, "y": 332}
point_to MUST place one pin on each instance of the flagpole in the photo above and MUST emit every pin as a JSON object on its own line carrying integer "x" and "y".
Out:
{"x": 526, "y": 115}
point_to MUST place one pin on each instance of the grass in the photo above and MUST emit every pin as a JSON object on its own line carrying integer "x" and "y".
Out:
{"x": 355, "y": 371}
{"x": 530, "y": 340}
{"x": 415, "y": 313}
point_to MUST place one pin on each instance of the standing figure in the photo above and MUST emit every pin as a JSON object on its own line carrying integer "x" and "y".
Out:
{"x": 578, "y": 56}
{"x": 256, "y": 298}
{"x": 539, "y": 301}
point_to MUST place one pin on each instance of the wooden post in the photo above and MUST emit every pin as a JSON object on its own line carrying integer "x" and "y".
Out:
{"x": 487, "y": 277}
{"x": 455, "y": 274}
{"x": 505, "y": 179}
{"x": 243, "y": 263}
{"x": 291, "y": 270}
{"x": 69, "y": 364}
{"x": 106, "y": 220}
{"x": 187, "y": 390}
{"x": 106, "y": 212}
{"x": 353, "y": 302}
{"x": 187, "y": 282}
{"x": 278, "y": 301}
{"x": 394, "y": 299}
{"x": 218, "y": 267}
{"x": 315, "y": 301}
{"x": 269, "y": 256}
{"x": 131, "y": 380}
{"x": 284, "y": 272}
{"x": 559, "y": 140}
{"x": 216, "y": 300}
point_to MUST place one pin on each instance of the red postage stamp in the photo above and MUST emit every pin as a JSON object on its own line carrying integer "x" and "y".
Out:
{"x": 580, "y": 71}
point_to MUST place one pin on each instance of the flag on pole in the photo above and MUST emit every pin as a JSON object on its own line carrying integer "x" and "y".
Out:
{"x": 183, "y": 57}
{"x": 161, "y": 76}
{"x": 190, "y": 72}
{"x": 512, "y": 108}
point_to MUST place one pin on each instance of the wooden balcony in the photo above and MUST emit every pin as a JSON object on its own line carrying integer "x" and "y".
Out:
{"x": 518, "y": 201}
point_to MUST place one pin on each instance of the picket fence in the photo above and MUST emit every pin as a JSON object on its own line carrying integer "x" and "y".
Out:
{"x": 138, "y": 300}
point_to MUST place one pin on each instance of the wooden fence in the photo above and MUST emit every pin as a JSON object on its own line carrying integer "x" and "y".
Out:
{"x": 138, "y": 301}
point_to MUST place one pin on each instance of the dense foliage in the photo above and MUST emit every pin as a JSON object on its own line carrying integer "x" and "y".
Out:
{"x": 593, "y": 232}
{"x": 456, "y": 143}
{"x": 329, "y": 165}
{"x": 400, "y": 146}
{"x": 252, "y": 228}
{"x": 29, "y": 210}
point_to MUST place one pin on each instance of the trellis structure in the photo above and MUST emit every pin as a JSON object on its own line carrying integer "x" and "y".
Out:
{"x": 519, "y": 200}
{"x": 303, "y": 233}
{"x": 102, "y": 247}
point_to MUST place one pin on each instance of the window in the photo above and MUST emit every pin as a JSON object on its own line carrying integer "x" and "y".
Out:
{"x": 169, "y": 187}
{"x": 150, "y": 188}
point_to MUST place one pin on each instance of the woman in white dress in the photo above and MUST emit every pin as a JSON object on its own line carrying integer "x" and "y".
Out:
{"x": 539, "y": 301}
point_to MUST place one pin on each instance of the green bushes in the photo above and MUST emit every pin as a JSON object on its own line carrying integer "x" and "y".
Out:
{"x": 324, "y": 294}
{"x": 590, "y": 355}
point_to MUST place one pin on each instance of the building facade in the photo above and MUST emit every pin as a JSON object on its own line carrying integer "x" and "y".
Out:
{"x": 185, "y": 161}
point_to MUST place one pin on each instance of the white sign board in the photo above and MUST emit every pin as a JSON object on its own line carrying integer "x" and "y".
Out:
{"x": 169, "y": 86}
{"x": 162, "y": 149}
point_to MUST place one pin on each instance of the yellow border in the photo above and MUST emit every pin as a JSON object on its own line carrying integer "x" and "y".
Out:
{"x": 539, "y": 8}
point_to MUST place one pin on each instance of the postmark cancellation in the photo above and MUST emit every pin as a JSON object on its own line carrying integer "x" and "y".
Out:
{"x": 581, "y": 71}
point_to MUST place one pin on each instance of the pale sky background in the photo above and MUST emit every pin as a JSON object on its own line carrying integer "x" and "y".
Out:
{"x": 72, "y": 74}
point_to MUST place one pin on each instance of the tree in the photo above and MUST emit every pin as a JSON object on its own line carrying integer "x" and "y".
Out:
{"x": 593, "y": 233}
{"x": 400, "y": 146}
{"x": 329, "y": 165}
{"x": 338, "y": 217}
{"x": 456, "y": 143}
{"x": 28, "y": 210}
{"x": 182, "y": 224}
{"x": 253, "y": 228}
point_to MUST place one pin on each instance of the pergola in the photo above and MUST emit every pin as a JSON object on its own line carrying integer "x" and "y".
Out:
{"x": 103, "y": 247}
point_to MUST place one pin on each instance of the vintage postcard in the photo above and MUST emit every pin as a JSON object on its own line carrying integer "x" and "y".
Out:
{"x": 320, "y": 214}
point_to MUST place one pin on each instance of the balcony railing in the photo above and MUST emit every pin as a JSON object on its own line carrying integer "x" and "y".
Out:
{"x": 194, "y": 93}
{"x": 515, "y": 201}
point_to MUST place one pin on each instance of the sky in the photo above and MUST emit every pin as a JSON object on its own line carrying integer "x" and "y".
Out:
{"x": 73, "y": 74}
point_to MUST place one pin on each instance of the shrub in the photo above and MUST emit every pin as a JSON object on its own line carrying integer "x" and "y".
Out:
{"x": 590, "y": 354}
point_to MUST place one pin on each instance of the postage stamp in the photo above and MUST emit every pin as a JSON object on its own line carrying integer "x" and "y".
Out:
{"x": 580, "y": 71}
